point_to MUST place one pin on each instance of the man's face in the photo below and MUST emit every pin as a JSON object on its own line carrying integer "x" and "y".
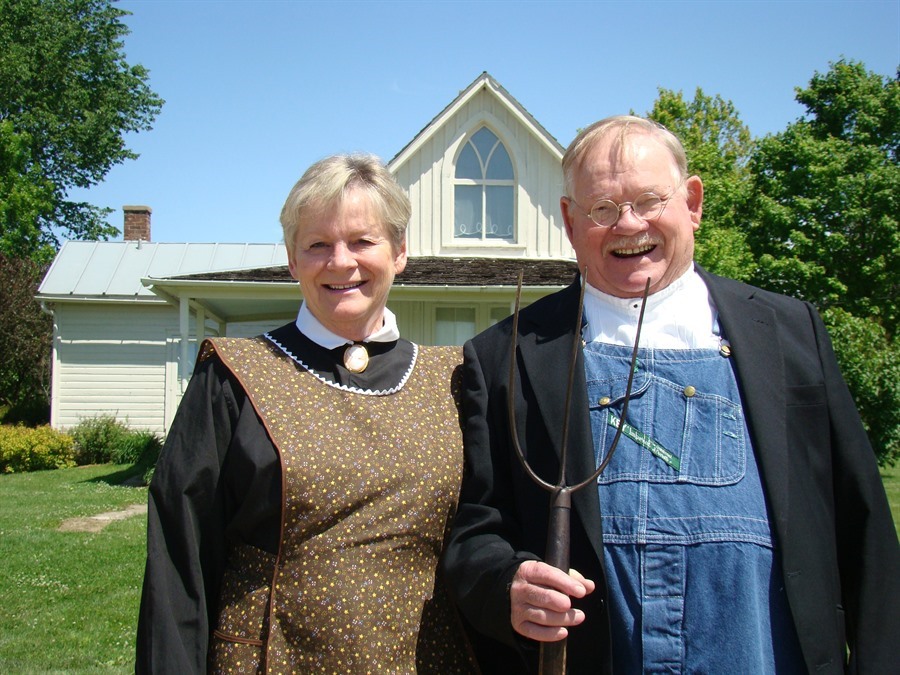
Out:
{"x": 620, "y": 258}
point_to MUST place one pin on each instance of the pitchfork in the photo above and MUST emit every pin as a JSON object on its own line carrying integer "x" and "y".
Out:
{"x": 553, "y": 654}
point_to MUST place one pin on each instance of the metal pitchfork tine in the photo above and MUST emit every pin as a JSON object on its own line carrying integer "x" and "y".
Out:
{"x": 553, "y": 654}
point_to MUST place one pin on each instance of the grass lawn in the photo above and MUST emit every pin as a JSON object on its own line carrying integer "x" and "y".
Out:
{"x": 69, "y": 599}
{"x": 891, "y": 480}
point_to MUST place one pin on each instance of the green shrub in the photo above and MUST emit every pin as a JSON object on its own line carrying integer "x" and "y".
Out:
{"x": 27, "y": 449}
{"x": 140, "y": 448}
{"x": 146, "y": 461}
{"x": 103, "y": 439}
{"x": 97, "y": 438}
{"x": 134, "y": 445}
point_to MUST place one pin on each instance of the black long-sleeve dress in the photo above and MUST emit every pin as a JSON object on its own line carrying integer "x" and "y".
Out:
{"x": 220, "y": 490}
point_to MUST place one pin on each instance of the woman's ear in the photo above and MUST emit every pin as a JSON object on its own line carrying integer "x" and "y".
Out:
{"x": 400, "y": 259}
{"x": 292, "y": 264}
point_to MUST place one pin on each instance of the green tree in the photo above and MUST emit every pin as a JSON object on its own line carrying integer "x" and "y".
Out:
{"x": 824, "y": 210}
{"x": 870, "y": 362}
{"x": 718, "y": 146}
{"x": 25, "y": 334}
{"x": 26, "y": 196}
{"x": 67, "y": 99}
{"x": 824, "y": 227}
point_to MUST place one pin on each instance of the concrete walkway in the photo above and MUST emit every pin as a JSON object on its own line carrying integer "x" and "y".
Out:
{"x": 101, "y": 520}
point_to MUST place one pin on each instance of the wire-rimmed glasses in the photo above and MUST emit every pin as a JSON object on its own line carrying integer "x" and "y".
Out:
{"x": 646, "y": 206}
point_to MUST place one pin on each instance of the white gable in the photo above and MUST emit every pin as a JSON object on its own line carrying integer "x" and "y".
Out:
{"x": 426, "y": 169}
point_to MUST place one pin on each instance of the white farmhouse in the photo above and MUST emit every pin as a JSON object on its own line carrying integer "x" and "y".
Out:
{"x": 484, "y": 178}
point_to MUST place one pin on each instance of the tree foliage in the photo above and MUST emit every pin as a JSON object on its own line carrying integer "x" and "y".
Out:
{"x": 824, "y": 213}
{"x": 823, "y": 225}
{"x": 26, "y": 196}
{"x": 870, "y": 363}
{"x": 67, "y": 99}
{"x": 812, "y": 212}
{"x": 25, "y": 335}
{"x": 718, "y": 146}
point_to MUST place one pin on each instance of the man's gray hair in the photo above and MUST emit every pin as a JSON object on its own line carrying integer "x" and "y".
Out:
{"x": 622, "y": 125}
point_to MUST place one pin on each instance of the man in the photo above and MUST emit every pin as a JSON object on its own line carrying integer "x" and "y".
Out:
{"x": 741, "y": 524}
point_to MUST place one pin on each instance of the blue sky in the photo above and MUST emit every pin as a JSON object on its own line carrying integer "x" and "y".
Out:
{"x": 258, "y": 90}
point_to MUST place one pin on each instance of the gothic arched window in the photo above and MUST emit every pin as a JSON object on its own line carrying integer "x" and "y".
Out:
{"x": 484, "y": 189}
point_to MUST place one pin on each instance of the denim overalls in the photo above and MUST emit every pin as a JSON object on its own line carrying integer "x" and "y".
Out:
{"x": 694, "y": 582}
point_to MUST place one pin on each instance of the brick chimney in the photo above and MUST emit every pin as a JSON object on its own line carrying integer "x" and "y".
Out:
{"x": 137, "y": 223}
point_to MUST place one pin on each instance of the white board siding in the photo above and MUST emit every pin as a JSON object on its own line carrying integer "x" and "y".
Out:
{"x": 112, "y": 361}
{"x": 245, "y": 329}
{"x": 121, "y": 359}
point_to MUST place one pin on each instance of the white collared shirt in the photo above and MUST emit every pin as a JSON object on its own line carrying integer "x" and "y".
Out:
{"x": 680, "y": 316}
{"x": 312, "y": 328}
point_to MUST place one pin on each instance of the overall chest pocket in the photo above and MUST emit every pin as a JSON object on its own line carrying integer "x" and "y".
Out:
{"x": 676, "y": 432}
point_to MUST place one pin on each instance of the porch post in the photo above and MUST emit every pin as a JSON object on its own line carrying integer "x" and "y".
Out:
{"x": 201, "y": 326}
{"x": 184, "y": 320}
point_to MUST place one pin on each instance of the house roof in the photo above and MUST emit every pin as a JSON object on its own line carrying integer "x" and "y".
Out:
{"x": 430, "y": 271}
{"x": 256, "y": 293}
{"x": 113, "y": 270}
{"x": 243, "y": 282}
{"x": 488, "y": 83}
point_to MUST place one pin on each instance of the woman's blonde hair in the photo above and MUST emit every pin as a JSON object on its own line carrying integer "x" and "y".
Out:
{"x": 325, "y": 184}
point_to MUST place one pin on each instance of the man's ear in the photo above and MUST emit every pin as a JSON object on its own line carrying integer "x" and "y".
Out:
{"x": 694, "y": 199}
{"x": 565, "y": 207}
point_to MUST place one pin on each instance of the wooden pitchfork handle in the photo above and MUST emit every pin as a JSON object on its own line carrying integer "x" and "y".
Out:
{"x": 553, "y": 654}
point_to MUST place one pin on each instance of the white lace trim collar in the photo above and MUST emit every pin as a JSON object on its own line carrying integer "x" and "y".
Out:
{"x": 344, "y": 387}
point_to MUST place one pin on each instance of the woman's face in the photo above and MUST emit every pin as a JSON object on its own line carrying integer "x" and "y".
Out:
{"x": 345, "y": 263}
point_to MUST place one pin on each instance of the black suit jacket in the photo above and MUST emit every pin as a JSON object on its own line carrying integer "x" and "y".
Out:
{"x": 834, "y": 533}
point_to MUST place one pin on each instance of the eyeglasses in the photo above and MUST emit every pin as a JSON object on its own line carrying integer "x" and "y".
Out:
{"x": 646, "y": 206}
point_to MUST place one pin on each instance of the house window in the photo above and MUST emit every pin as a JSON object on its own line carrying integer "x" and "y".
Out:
{"x": 497, "y": 314}
{"x": 484, "y": 189}
{"x": 453, "y": 325}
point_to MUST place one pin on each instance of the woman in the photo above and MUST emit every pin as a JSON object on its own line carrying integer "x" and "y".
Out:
{"x": 300, "y": 504}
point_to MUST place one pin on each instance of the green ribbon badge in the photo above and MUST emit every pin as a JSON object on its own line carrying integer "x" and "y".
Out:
{"x": 644, "y": 440}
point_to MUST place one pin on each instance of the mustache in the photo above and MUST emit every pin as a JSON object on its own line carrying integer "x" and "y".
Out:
{"x": 642, "y": 240}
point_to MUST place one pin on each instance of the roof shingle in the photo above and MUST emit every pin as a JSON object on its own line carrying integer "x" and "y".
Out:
{"x": 434, "y": 271}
